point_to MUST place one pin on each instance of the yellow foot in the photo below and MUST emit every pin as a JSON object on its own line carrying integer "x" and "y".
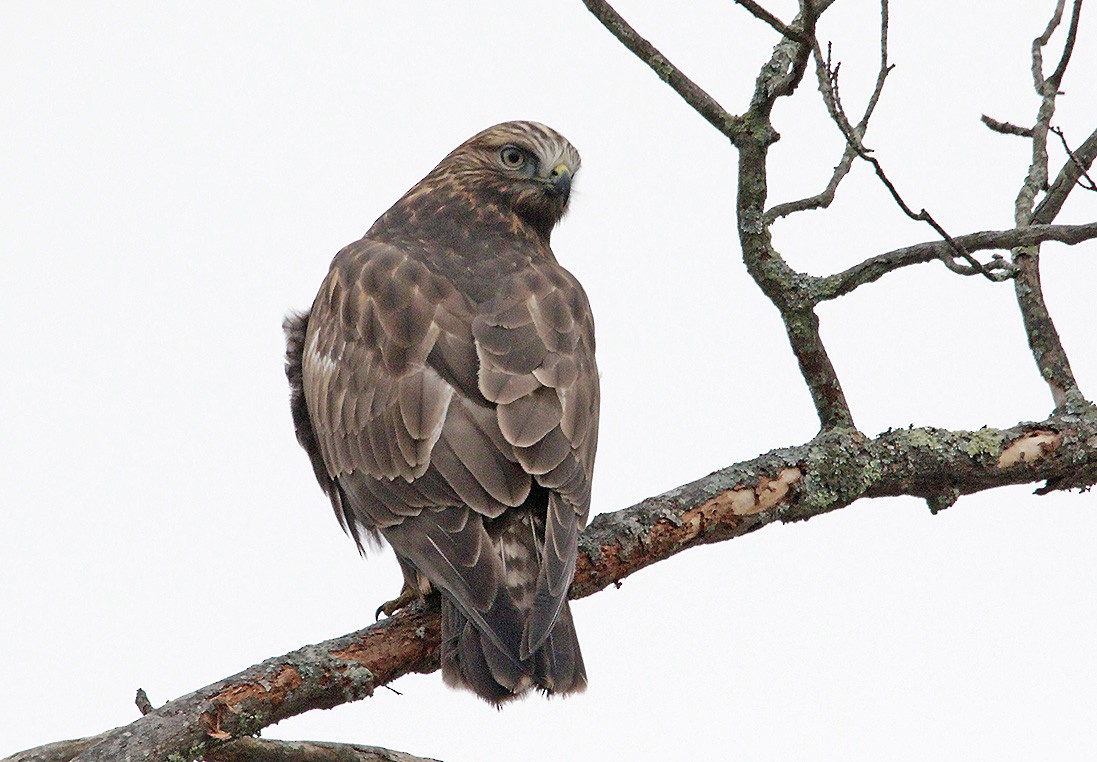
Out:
{"x": 388, "y": 608}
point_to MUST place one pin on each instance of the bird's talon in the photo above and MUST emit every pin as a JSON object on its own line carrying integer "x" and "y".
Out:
{"x": 388, "y": 608}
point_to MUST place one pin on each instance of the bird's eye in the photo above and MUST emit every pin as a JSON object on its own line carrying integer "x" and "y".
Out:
{"x": 512, "y": 157}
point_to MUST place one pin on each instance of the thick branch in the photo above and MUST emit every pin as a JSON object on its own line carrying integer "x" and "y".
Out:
{"x": 267, "y": 750}
{"x": 782, "y": 74}
{"x": 777, "y": 78}
{"x": 244, "y": 750}
{"x": 1043, "y": 338}
{"x": 313, "y": 677}
{"x": 839, "y": 284}
{"x": 703, "y": 103}
{"x": 59, "y": 751}
{"x": 831, "y": 472}
{"x": 783, "y": 286}
{"x": 789, "y": 484}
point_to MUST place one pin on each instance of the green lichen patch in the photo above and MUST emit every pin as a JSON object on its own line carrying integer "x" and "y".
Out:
{"x": 985, "y": 444}
{"x": 837, "y": 473}
{"x": 924, "y": 439}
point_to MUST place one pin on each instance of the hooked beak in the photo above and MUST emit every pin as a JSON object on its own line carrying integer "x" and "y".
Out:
{"x": 560, "y": 180}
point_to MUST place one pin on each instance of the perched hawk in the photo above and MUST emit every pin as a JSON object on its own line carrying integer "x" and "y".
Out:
{"x": 445, "y": 389}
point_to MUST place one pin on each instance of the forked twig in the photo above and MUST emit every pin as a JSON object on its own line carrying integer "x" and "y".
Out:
{"x": 849, "y": 153}
{"x": 996, "y": 270}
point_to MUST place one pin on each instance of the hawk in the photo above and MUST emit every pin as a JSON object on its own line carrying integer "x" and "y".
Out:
{"x": 444, "y": 387}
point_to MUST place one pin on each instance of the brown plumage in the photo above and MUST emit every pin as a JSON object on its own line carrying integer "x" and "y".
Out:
{"x": 445, "y": 389}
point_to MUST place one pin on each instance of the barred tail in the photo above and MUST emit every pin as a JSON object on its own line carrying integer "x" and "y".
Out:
{"x": 472, "y": 661}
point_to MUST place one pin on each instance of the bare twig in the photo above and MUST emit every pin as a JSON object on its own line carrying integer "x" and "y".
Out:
{"x": 853, "y": 140}
{"x": 820, "y": 200}
{"x": 752, "y": 134}
{"x": 822, "y": 70}
{"x": 1066, "y": 181}
{"x": 762, "y": 14}
{"x": 955, "y": 250}
{"x": 1056, "y": 78}
{"x": 704, "y": 104}
{"x": 1040, "y": 42}
{"x": 1047, "y": 89}
{"x": 1083, "y": 169}
{"x": 839, "y": 284}
{"x": 1006, "y": 128}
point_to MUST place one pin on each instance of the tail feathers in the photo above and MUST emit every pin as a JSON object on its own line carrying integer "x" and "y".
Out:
{"x": 472, "y": 661}
{"x": 560, "y": 667}
{"x": 556, "y": 561}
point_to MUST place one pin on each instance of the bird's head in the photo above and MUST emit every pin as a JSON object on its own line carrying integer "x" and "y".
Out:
{"x": 523, "y": 166}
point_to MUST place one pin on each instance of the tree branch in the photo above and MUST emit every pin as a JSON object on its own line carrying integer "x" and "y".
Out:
{"x": 1056, "y": 78}
{"x": 762, "y": 14}
{"x": 313, "y": 677}
{"x": 786, "y": 67}
{"x": 839, "y": 284}
{"x": 704, "y": 104}
{"x": 1043, "y": 338}
{"x": 1078, "y": 163}
{"x": 269, "y": 750}
{"x": 780, "y": 283}
{"x": 1005, "y": 128}
{"x": 1084, "y": 180}
{"x": 243, "y": 750}
{"x": 995, "y": 271}
{"x": 789, "y": 484}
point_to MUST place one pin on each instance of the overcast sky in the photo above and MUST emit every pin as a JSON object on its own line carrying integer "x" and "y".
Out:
{"x": 175, "y": 178}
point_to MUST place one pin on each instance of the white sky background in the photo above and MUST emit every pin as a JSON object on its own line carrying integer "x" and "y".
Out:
{"x": 175, "y": 178}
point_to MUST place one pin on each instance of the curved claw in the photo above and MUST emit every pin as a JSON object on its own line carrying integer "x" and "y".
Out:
{"x": 388, "y": 608}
